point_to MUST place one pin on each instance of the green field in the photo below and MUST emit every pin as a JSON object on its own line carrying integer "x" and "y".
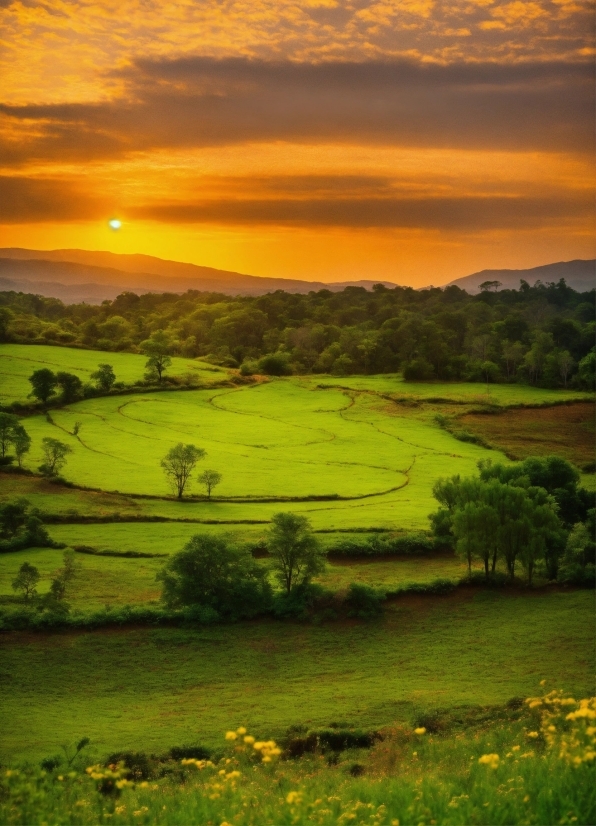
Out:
{"x": 18, "y": 361}
{"x": 149, "y": 689}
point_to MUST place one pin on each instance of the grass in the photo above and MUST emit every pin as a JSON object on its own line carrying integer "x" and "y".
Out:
{"x": 155, "y": 688}
{"x": 18, "y": 361}
{"x": 567, "y": 431}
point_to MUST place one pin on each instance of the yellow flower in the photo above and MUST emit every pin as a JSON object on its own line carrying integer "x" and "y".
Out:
{"x": 533, "y": 734}
{"x": 241, "y": 731}
{"x": 249, "y": 739}
{"x": 490, "y": 760}
{"x": 515, "y": 748}
{"x": 420, "y": 730}
{"x": 294, "y": 797}
{"x": 231, "y": 735}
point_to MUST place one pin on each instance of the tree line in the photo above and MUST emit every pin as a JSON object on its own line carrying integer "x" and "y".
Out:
{"x": 541, "y": 335}
{"x": 533, "y": 513}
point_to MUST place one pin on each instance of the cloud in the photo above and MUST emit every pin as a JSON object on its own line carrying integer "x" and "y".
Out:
{"x": 461, "y": 213}
{"x": 200, "y": 101}
{"x": 24, "y": 200}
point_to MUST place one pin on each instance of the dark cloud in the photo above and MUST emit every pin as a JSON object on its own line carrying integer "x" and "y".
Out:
{"x": 24, "y": 200}
{"x": 208, "y": 102}
{"x": 455, "y": 213}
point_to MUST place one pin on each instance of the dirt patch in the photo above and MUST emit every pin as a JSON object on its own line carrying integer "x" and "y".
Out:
{"x": 566, "y": 430}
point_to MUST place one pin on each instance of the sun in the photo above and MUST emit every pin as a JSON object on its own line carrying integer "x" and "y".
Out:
{"x": 114, "y": 223}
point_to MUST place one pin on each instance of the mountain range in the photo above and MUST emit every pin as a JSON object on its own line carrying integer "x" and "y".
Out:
{"x": 93, "y": 276}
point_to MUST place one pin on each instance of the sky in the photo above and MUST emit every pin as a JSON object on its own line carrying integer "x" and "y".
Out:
{"x": 412, "y": 141}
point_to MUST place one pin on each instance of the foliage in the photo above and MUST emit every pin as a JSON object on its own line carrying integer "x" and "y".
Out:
{"x": 541, "y": 335}
{"x": 210, "y": 478}
{"x": 43, "y": 383}
{"x": 214, "y": 575}
{"x": 70, "y": 385}
{"x": 364, "y": 602}
{"x": 55, "y": 453}
{"x": 157, "y": 348}
{"x": 104, "y": 376}
{"x": 26, "y": 580}
{"x": 295, "y": 553}
{"x": 178, "y": 465}
{"x": 21, "y": 527}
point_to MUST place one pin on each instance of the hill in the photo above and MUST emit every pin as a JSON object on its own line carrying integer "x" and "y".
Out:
{"x": 82, "y": 275}
{"x": 579, "y": 274}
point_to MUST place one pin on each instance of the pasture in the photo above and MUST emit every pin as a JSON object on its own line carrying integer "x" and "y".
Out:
{"x": 18, "y": 361}
{"x": 150, "y": 689}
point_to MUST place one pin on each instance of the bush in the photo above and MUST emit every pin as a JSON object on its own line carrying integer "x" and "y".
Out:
{"x": 211, "y": 575}
{"x": 364, "y": 602}
{"x": 384, "y": 545}
{"x": 275, "y": 364}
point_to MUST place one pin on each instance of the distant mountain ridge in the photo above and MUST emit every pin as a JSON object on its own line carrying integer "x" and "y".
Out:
{"x": 580, "y": 274}
{"x": 75, "y": 276}
{"x": 82, "y": 275}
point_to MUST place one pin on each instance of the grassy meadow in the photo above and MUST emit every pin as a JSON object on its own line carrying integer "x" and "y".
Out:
{"x": 18, "y": 361}
{"x": 150, "y": 689}
{"x": 358, "y": 456}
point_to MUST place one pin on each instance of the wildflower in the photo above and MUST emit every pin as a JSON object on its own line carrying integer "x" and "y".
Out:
{"x": 240, "y": 731}
{"x": 420, "y": 730}
{"x": 515, "y": 748}
{"x": 542, "y": 682}
{"x": 231, "y": 735}
{"x": 490, "y": 760}
{"x": 293, "y": 797}
{"x": 249, "y": 740}
{"x": 533, "y": 734}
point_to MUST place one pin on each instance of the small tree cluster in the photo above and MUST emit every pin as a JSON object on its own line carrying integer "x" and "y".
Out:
{"x": 21, "y": 526}
{"x": 13, "y": 435}
{"x": 510, "y": 513}
{"x": 178, "y": 465}
{"x": 28, "y": 577}
{"x": 45, "y": 383}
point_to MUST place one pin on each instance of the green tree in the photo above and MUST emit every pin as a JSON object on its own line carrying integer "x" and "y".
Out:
{"x": 211, "y": 574}
{"x": 104, "y": 377}
{"x": 13, "y": 515}
{"x": 55, "y": 453}
{"x": 178, "y": 465}
{"x": 70, "y": 385}
{"x": 158, "y": 348}
{"x": 210, "y": 478}
{"x": 43, "y": 383}
{"x": 8, "y": 425}
{"x": 475, "y": 527}
{"x": 295, "y": 553}
{"x": 26, "y": 580}
{"x": 21, "y": 442}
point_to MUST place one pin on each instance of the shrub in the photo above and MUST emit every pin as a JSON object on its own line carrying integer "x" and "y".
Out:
{"x": 275, "y": 364}
{"x": 364, "y": 602}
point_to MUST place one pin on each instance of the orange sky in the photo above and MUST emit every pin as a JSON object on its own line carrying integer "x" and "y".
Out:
{"x": 408, "y": 140}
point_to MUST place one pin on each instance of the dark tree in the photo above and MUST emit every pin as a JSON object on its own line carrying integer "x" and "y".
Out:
{"x": 158, "y": 349}
{"x": 296, "y": 555}
{"x": 212, "y": 574}
{"x": 8, "y": 426}
{"x": 43, "y": 383}
{"x": 70, "y": 385}
{"x": 21, "y": 442}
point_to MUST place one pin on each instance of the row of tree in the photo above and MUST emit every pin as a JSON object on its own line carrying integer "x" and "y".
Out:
{"x": 533, "y": 512}
{"x": 542, "y": 335}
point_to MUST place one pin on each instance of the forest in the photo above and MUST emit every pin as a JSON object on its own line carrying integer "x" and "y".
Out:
{"x": 541, "y": 335}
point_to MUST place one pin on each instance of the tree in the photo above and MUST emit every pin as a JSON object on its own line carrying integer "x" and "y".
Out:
{"x": 566, "y": 364}
{"x": 104, "y": 377}
{"x": 22, "y": 443}
{"x": 70, "y": 385}
{"x": 64, "y": 576}
{"x": 8, "y": 423}
{"x": 210, "y": 478}
{"x": 212, "y": 574}
{"x": 296, "y": 555}
{"x": 157, "y": 348}
{"x": 55, "y": 453}
{"x": 43, "y": 383}
{"x": 487, "y": 286}
{"x": 178, "y": 465}
{"x": 13, "y": 515}
{"x": 26, "y": 580}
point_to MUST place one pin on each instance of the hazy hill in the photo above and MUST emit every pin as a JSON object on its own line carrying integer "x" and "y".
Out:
{"x": 579, "y": 274}
{"x": 82, "y": 275}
